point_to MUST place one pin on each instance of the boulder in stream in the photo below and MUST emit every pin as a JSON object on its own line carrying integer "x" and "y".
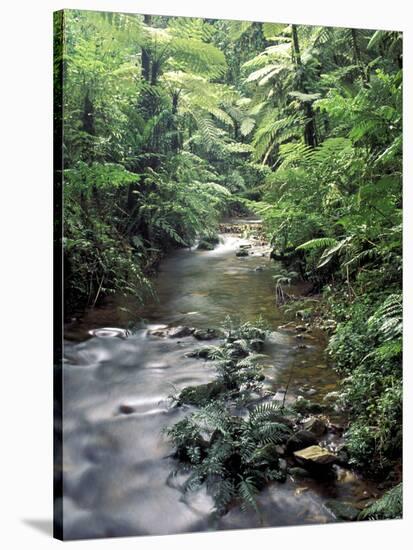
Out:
{"x": 298, "y": 472}
{"x": 316, "y": 425}
{"x": 241, "y": 253}
{"x": 342, "y": 510}
{"x": 200, "y": 353}
{"x": 180, "y": 332}
{"x": 315, "y": 456}
{"x": 204, "y": 245}
{"x": 126, "y": 409}
{"x": 300, "y": 440}
{"x": 208, "y": 242}
{"x": 206, "y": 334}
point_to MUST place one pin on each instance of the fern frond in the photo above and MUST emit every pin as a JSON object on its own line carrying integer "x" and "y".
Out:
{"x": 389, "y": 506}
{"x": 317, "y": 244}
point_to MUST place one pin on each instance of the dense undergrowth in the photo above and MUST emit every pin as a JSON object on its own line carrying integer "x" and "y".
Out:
{"x": 169, "y": 123}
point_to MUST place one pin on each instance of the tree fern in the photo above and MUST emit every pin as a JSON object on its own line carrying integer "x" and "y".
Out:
{"x": 389, "y": 506}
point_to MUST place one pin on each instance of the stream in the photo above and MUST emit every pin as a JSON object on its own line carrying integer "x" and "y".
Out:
{"x": 116, "y": 461}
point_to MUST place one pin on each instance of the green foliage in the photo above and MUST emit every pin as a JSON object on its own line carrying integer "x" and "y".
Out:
{"x": 235, "y": 457}
{"x": 328, "y": 112}
{"x": 133, "y": 93}
{"x": 237, "y": 366}
{"x": 389, "y": 506}
{"x": 170, "y": 122}
{"x": 367, "y": 347}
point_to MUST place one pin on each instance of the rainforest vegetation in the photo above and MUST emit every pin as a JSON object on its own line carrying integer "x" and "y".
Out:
{"x": 169, "y": 124}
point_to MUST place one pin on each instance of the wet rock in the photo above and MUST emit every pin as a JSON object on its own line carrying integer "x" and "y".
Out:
{"x": 329, "y": 325}
{"x": 200, "y": 395}
{"x": 342, "y": 510}
{"x": 304, "y": 406}
{"x": 206, "y": 334}
{"x": 158, "y": 332}
{"x": 315, "y": 456}
{"x": 315, "y": 425}
{"x": 301, "y": 328}
{"x": 304, "y": 336}
{"x": 208, "y": 242}
{"x": 259, "y": 268}
{"x": 301, "y": 346}
{"x": 204, "y": 245}
{"x": 257, "y": 344}
{"x": 241, "y": 253}
{"x": 307, "y": 390}
{"x": 298, "y": 472}
{"x": 180, "y": 332}
{"x": 343, "y": 457}
{"x": 110, "y": 332}
{"x": 126, "y": 409}
{"x": 300, "y": 490}
{"x": 201, "y": 353}
{"x": 288, "y": 326}
{"x": 301, "y": 440}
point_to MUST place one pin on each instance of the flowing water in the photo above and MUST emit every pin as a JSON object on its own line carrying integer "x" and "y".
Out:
{"x": 116, "y": 461}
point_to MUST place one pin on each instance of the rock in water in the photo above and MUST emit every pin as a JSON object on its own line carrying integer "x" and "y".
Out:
{"x": 315, "y": 455}
{"x": 301, "y": 440}
{"x": 204, "y": 245}
{"x": 241, "y": 253}
{"x": 180, "y": 332}
{"x": 342, "y": 510}
{"x": 315, "y": 425}
{"x": 297, "y": 472}
{"x": 201, "y": 353}
{"x": 126, "y": 409}
{"x": 206, "y": 334}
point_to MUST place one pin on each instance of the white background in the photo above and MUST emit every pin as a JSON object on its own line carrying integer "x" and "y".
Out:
{"x": 26, "y": 270}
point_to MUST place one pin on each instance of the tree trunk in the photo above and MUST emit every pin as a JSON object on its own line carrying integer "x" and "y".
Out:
{"x": 310, "y": 135}
{"x": 146, "y": 59}
{"x": 357, "y": 56}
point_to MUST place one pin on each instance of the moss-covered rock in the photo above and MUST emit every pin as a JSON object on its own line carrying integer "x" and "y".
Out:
{"x": 342, "y": 510}
{"x": 201, "y": 395}
{"x": 208, "y": 242}
{"x": 204, "y": 245}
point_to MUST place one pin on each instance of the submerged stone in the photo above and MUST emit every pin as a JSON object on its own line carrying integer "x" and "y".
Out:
{"x": 126, "y": 409}
{"x": 342, "y": 510}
